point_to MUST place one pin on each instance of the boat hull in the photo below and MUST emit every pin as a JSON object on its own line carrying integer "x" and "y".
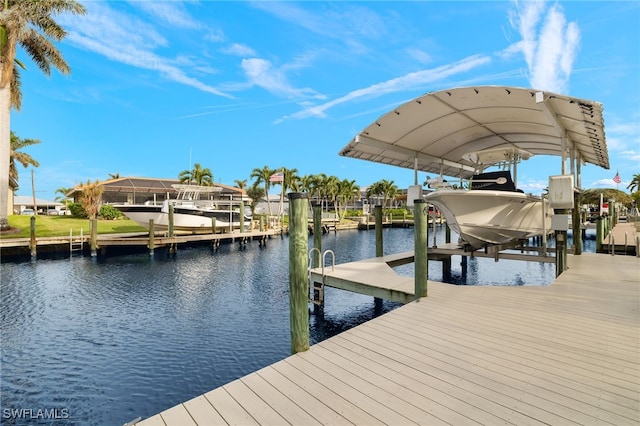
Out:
{"x": 141, "y": 213}
{"x": 485, "y": 217}
{"x": 184, "y": 218}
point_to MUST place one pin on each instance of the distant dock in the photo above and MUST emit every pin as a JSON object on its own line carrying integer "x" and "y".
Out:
{"x": 624, "y": 239}
{"x": 567, "y": 353}
{"x": 139, "y": 240}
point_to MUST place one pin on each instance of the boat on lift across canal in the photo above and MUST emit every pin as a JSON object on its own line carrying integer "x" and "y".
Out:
{"x": 190, "y": 212}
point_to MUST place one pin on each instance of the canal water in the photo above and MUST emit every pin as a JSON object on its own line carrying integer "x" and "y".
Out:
{"x": 105, "y": 341}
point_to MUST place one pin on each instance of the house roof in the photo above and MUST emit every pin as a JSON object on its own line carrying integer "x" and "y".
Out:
{"x": 433, "y": 132}
{"x": 26, "y": 200}
{"x": 150, "y": 185}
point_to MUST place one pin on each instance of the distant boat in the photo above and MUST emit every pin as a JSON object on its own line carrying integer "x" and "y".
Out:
{"x": 189, "y": 212}
{"x": 492, "y": 211}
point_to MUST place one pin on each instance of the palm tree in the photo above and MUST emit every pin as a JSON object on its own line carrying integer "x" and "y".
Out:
{"x": 255, "y": 193}
{"x": 90, "y": 195}
{"x": 291, "y": 180}
{"x": 16, "y": 156}
{"x": 309, "y": 183}
{"x": 262, "y": 176}
{"x": 347, "y": 191}
{"x": 198, "y": 175}
{"x": 63, "y": 191}
{"x": 241, "y": 184}
{"x": 634, "y": 185}
{"x": 28, "y": 24}
{"x": 114, "y": 175}
{"x": 387, "y": 189}
{"x": 327, "y": 188}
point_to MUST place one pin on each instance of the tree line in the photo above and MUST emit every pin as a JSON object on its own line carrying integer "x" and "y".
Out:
{"x": 322, "y": 188}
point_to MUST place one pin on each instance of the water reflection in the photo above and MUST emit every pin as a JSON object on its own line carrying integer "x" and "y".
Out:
{"x": 130, "y": 336}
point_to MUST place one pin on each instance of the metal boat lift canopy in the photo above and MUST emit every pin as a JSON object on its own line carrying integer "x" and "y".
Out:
{"x": 432, "y": 133}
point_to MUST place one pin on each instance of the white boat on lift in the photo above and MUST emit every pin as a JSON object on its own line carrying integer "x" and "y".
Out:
{"x": 433, "y": 133}
{"x": 492, "y": 211}
{"x": 190, "y": 213}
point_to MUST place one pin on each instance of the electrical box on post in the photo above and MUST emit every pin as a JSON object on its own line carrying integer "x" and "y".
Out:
{"x": 560, "y": 222}
{"x": 414, "y": 192}
{"x": 561, "y": 192}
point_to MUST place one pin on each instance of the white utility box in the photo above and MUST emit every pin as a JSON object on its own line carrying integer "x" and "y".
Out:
{"x": 561, "y": 192}
{"x": 560, "y": 222}
{"x": 414, "y": 192}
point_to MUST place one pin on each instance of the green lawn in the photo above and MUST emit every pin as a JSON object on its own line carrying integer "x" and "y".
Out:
{"x": 53, "y": 226}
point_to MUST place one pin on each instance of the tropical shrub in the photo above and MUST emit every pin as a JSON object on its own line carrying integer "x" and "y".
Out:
{"x": 77, "y": 210}
{"x": 109, "y": 212}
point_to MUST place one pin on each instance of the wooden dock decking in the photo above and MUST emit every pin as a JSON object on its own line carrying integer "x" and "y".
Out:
{"x": 623, "y": 239}
{"x": 568, "y": 353}
{"x": 137, "y": 239}
{"x": 373, "y": 277}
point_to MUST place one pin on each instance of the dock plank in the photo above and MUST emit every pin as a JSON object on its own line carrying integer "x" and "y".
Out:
{"x": 253, "y": 404}
{"x": 567, "y": 353}
{"x": 231, "y": 411}
{"x": 345, "y": 407}
{"x": 311, "y": 405}
{"x": 177, "y": 416}
{"x": 154, "y": 421}
{"x": 202, "y": 412}
{"x": 381, "y": 395}
{"x": 271, "y": 395}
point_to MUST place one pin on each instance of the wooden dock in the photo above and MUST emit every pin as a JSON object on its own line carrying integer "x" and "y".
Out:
{"x": 139, "y": 239}
{"x": 624, "y": 238}
{"x": 567, "y": 353}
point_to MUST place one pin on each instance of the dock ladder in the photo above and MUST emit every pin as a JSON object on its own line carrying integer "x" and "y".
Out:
{"x": 318, "y": 288}
{"x": 75, "y": 245}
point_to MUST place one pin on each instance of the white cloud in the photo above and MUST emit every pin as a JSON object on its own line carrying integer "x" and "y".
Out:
{"x": 419, "y": 55}
{"x": 410, "y": 81}
{"x": 607, "y": 183}
{"x": 238, "y": 49}
{"x": 350, "y": 20}
{"x": 533, "y": 186}
{"x": 171, "y": 12}
{"x": 214, "y": 35}
{"x": 622, "y": 135}
{"x": 128, "y": 40}
{"x": 348, "y": 24}
{"x": 261, "y": 73}
{"x": 549, "y": 44}
{"x": 632, "y": 155}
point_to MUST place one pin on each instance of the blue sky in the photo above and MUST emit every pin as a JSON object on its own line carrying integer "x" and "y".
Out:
{"x": 157, "y": 86}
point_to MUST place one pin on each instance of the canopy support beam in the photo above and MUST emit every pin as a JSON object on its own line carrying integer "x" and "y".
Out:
{"x": 365, "y": 140}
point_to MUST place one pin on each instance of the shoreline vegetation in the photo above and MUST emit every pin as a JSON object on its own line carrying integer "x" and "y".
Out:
{"x": 59, "y": 226}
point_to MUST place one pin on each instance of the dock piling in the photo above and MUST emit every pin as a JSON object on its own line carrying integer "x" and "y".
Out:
{"x": 152, "y": 236}
{"x": 561, "y": 245}
{"x": 420, "y": 222}
{"x": 317, "y": 234}
{"x": 576, "y": 225}
{"x": 172, "y": 245}
{"x": 32, "y": 233}
{"x": 379, "y": 242}
{"x": 94, "y": 237}
{"x": 298, "y": 280}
